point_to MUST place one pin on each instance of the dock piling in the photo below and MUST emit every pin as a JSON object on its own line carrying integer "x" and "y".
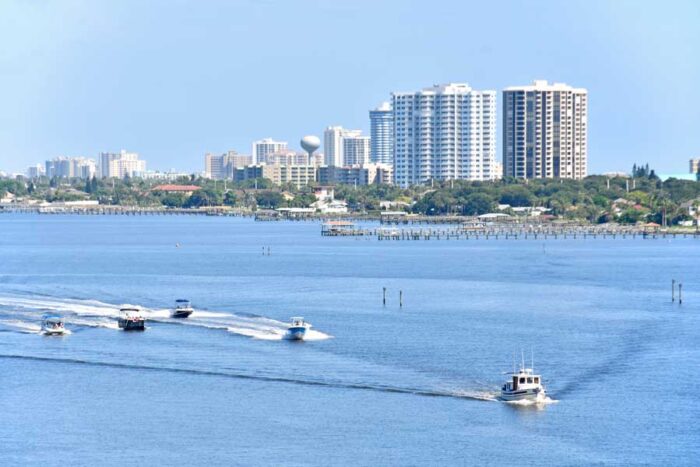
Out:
{"x": 673, "y": 290}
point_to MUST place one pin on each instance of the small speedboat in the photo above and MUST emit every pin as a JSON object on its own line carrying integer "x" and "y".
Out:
{"x": 524, "y": 385}
{"x": 297, "y": 329}
{"x": 131, "y": 319}
{"x": 183, "y": 309}
{"x": 52, "y": 325}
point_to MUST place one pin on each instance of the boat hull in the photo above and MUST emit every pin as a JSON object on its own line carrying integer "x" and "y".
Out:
{"x": 181, "y": 313}
{"x": 296, "y": 333}
{"x": 132, "y": 325}
{"x": 53, "y": 332}
{"x": 534, "y": 395}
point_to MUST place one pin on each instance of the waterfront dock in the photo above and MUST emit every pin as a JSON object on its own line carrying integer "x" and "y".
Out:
{"x": 506, "y": 231}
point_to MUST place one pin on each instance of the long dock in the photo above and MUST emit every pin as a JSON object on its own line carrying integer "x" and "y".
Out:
{"x": 124, "y": 210}
{"x": 502, "y": 231}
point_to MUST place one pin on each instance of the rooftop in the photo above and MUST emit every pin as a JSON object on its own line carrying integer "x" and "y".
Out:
{"x": 179, "y": 188}
{"x": 543, "y": 85}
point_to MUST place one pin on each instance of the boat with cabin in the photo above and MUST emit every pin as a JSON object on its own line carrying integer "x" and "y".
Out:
{"x": 183, "y": 308}
{"x": 52, "y": 325}
{"x": 131, "y": 319}
{"x": 297, "y": 329}
{"x": 525, "y": 385}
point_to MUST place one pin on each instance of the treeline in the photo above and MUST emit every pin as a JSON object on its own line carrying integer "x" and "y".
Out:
{"x": 598, "y": 199}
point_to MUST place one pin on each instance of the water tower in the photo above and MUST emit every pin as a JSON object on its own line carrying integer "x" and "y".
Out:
{"x": 310, "y": 144}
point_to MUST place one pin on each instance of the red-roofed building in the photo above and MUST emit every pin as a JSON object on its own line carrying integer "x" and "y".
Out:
{"x": 184, "y": 189}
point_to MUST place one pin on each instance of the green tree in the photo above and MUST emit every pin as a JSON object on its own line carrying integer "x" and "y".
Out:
{"x": 517, "y": 196}
{"x": 478, "y": 203}
{"x": 230, "y": 198}
{"x": 269, "y": 199}
{"x": 204, "y": 197}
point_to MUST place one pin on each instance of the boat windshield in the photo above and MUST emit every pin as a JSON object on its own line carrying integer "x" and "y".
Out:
{"x": 130, "y": 312}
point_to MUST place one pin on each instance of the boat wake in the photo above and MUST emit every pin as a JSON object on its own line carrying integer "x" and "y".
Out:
{"x": 18, "y": 325}
{"x": 532, "y": 403}
{"x": 457, "y": 394}
{"x": 93, "y": 313}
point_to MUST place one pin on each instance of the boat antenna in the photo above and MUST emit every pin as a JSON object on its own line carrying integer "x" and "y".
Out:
{"x": 522, "y": 354}
{"x": 514, "y": 372}
{"x": 532, "y": 358}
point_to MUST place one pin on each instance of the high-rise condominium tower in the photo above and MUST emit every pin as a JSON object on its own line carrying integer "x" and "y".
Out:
{"x": 444, "y": 132}
{"x": 545, "y": 131}
{"x": 219, "y": 167}
{"x": 333, "y": 144}
{"x": 267, "y": 146}
{"x": 695, "y": 166}
{"x": 381, "y": 122}
{"x": 120, "y": 164}
{"x": 356, "y": 150}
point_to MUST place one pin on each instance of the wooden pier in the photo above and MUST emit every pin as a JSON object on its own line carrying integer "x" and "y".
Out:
{"x": 124, "y": 210}
{"x": 506, "y": 231}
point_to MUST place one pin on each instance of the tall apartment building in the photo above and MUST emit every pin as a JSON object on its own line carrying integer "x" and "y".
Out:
{"x": 333, "y": 146}
{"x": 545, "y": 131}
{"x": 36, "y": 171}
{"x": 695, "y": 166}
{"x": 444, "y": 132}
{"x": 219, "y": 167}
{"x": 70, "y": 167}
{"x": 121, "y": 164}
{"x": 266, "y": 146}
{"x": 214, "y": 166}
{"x": 381, "y": 122}
{"x": 356, "y": 150}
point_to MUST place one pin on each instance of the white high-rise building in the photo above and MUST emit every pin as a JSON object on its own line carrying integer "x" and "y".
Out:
{"x": 355, "y": 150}
{"x": 266, "y": 146}
{"x": 224, "y": 165}
{"x": 545, "y": 131}
{"x": 381, "y": 122}
{"x": 445, "y": 132}
{"x": 333, "y": 146}
{"x": 695, "y": 166}
{"x": 70, "y": 167}
{"x": 35, "y": 171}
{"x": 215, "y": 166}
{"x": 121, "y": 164}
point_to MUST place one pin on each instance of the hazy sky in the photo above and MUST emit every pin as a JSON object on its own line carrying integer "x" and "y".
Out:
{"x": 172, "y": 80}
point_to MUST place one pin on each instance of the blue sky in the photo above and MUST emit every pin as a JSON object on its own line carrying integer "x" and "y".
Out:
{"x": 175, "y": 79}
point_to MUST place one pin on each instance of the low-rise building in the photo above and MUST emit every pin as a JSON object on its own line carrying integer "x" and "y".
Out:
{"x": 184, "y": 189}
{"x": 367, "y": 174}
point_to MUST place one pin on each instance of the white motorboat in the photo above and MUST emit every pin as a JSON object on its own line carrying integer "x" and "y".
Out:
{"x": 183, "y": 309}
{"x": 297, "y": 329}
{"x": 131, "y": 319}
{"x": 524, "y": 385}
{"x": 52, "y": 325}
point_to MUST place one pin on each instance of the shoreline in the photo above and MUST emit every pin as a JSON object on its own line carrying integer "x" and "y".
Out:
{"x": 393, "y": 226}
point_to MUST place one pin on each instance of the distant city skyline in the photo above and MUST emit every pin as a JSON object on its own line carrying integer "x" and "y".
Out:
{"x": 181, "y": 83}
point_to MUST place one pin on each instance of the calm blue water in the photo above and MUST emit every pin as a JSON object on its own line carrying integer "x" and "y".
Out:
{"x": 375, "y": 385}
